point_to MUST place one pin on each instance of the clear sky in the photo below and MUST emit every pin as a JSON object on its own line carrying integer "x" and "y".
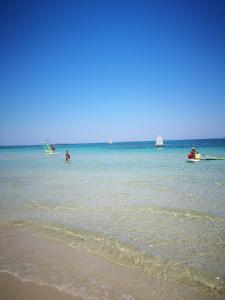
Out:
{"x": 83, "y": 71}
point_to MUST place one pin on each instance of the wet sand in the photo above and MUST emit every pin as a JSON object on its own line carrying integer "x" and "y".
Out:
{"x": 13, "y": 288}
{"x": 78, "y": 274}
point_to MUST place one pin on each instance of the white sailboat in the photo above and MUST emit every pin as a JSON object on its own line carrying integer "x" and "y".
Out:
{"x": 159, "y": 142}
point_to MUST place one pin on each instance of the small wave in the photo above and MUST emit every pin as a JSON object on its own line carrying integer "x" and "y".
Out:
{"x": 124, "y": 254}
{"x": 181, "y": 213}
{"x": 173, "y": 212}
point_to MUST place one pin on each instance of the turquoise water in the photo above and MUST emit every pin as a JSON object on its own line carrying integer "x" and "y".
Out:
{"x": 133, "y": 203}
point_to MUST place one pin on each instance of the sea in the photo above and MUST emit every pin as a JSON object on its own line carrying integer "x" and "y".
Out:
{"x": 129, "y": 202}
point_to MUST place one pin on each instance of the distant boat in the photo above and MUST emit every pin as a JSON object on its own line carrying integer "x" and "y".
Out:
{"x": 159, "y": 142}
{"x": 110, "y": 141}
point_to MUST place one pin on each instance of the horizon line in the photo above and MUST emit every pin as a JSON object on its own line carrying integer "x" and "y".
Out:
{"x": 89, "y": 143}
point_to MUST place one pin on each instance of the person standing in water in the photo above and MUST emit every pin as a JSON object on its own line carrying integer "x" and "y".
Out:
{"x": 67, "y": 155}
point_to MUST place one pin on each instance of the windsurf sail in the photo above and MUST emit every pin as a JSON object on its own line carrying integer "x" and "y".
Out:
{"x": 47, "y": 147}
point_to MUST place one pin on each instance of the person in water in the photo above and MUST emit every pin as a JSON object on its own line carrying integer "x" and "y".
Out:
{"x": 193, "y": 154}
{"x": 52, "y": 147}
{"x": 67, "y": 155}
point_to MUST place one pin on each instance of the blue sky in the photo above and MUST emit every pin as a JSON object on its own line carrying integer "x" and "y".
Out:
{"x": 84, "y": 71}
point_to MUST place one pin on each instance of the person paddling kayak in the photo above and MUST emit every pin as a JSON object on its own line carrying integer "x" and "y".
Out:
{"x": 194, "y": 154}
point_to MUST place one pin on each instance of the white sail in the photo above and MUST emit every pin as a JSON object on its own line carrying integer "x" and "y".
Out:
{"x": 159, "y": 141}
{"x": 110, "y": 141}
{"x": 47, "y": 147}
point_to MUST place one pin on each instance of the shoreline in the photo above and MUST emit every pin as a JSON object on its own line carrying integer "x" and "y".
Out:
{"x": 77, "y": 274}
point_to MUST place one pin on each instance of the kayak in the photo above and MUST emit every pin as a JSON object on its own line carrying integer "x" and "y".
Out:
{"x": 193, "y": 160}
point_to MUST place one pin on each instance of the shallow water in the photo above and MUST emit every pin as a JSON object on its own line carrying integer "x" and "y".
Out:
{"x": 130, "y": 202}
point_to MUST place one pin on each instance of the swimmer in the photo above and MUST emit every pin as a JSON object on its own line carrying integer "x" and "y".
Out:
{"x": 67, "y": 155}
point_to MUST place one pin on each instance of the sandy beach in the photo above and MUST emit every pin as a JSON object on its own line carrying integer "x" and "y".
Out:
{"x": 89, "y": 276}
{"x": 13, "y": 288}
